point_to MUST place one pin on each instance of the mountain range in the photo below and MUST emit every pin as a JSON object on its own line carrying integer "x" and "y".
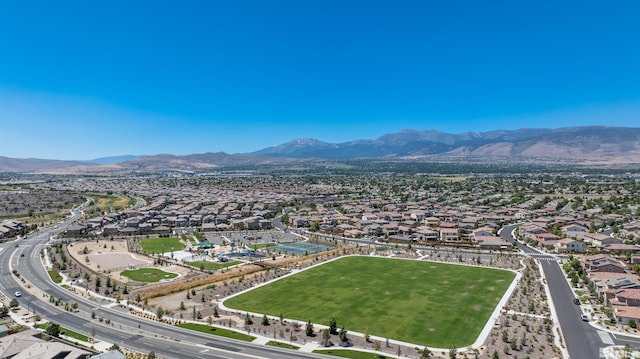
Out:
{"x": 577, "y": 145}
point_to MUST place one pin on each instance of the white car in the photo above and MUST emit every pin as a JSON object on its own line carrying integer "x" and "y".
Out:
{"x": 18, "y": 294}
{"x": 584, "y": 317}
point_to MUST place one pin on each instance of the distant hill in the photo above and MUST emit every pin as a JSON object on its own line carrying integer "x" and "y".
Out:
{"x": 32, "y": 164}
{"x": 575, "y": 143}
{"x": 583, "y": 145}
{"x": 168, "y": 162}
{"x": 113, "y": 159}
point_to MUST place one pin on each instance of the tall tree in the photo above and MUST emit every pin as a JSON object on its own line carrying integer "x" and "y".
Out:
{"x": 333, "y": 326}
{"x": 326, "y": 336}
{"x": 343, "y": 335}
{"x": 309, "y": 329}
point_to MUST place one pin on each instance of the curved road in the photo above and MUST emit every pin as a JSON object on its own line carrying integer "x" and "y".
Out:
{"x": 582, "y": 340}
{"x": 125, "y": 329}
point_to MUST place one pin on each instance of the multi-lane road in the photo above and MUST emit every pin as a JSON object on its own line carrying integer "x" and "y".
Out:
{"x": 582, "y": 340}
{"x": 124, "y": 329}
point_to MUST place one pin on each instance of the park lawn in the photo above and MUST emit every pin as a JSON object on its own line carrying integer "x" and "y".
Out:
{"x": 203, "y": 328}
{"x": 206, "y": 265}
{"x": 148, "y": 274}
{"x": 161, "y": 245}
{"x": 274, "y": 343}
{"x": 426, "y": 303}
{"x": 346, "y": 353}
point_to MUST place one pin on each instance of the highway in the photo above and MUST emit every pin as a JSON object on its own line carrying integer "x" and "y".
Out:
{"x": 124, "y": 329}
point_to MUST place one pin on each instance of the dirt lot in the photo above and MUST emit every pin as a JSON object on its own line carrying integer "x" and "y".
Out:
{"x": 112, "y": 257}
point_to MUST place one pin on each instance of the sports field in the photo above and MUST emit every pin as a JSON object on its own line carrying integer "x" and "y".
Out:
{"x": 425, "y": 303}
{"x": 161, "y": 245}
{"x": 148, "y": 274}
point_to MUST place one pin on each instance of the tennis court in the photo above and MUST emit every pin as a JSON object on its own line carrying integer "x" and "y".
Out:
{"x": 299, "y": 248}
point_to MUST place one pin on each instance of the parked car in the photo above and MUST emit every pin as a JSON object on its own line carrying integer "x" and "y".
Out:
{"x": 18, "y": 294}
{"x": 576, "y": 301}
{"x": 584, "y": 317}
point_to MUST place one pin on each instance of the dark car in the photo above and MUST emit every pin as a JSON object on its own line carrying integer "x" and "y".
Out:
{"x": 576, "y": 301}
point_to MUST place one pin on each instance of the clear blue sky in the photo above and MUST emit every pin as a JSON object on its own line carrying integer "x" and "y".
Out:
{"x": 87, "y": 79}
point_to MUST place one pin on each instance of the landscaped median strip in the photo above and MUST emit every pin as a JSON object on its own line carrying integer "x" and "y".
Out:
{"x": 353, "y": 354}
{"x": 203, "y": 328}
{"x": 274, "y": 343}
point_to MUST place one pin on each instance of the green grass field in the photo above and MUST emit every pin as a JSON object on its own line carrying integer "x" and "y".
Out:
{"x": 148, "y": 274}
{"x": 426, "y": 303}
{"x": 161, "y": 245}
{"x": 67, "y": 332}
{"x": 353, "y": 354}
{"x": 206, "y": 265}
{"x": 55, "y": 276}
{"x": 274, "y": 343}
{"x": 203, "y": 328}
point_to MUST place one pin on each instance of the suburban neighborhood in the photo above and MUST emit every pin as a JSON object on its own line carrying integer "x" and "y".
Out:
{"x": 586, "y": 222}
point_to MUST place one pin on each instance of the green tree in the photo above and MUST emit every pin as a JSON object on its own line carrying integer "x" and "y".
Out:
{"x": 53, "y": 329}
{"x": 215, "y": 312}
{"x": 151, "y": 355}
{"x": 424, "y": 353}
{"x": 247, "y": 319}
{"x": 4, "y": 310}
{"x": 343, "y": 335}
{"x": 265, "y": 320}
{"x": 333, "y": 326}
{"x": 159, "y": 313}
{"x": 326, "y": 336}
{"x": 309, "y": 329}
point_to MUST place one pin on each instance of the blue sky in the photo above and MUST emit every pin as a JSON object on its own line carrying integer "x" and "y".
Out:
{"x": 87, "y": 79}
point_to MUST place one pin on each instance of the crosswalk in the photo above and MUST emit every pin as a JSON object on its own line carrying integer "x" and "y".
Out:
{"x": 605, "y": 337}
{"x": 542, "y": 256}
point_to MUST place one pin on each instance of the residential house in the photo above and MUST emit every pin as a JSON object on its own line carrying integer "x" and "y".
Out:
{"x": 568, "y": 245}
{"x": 602, "y": 263}
{"x": 449, "y": 235}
